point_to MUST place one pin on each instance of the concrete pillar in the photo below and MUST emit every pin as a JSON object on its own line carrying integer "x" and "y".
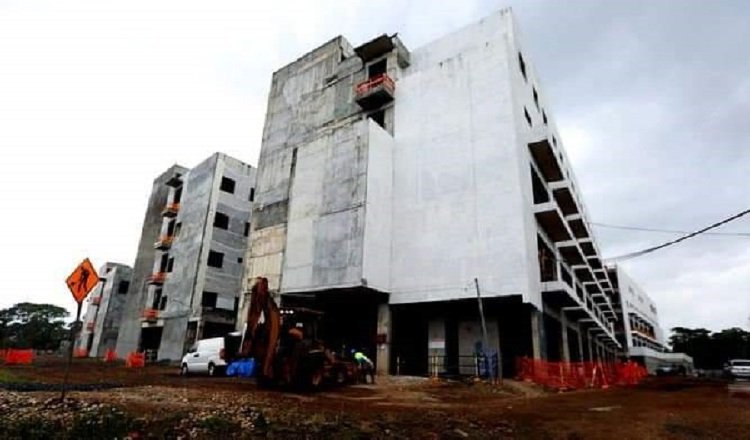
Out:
{"x": 383, "y": 355}
{"x": 591, "y": 348}
{"x": 565, "y": 352}
{"x": 580, "y": 345}
{"x": 537, "y": 343}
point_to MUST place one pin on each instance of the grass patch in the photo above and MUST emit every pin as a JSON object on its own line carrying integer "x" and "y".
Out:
{"x": 7, "y": 376}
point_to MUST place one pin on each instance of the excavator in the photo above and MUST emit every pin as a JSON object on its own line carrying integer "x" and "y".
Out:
{"x": 285, "y": 345}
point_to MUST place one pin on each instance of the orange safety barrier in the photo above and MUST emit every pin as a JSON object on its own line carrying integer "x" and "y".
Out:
{"x": 150, "y": 314}
{"x": 110, "y": 356}
{"x": 575, "y": 375}
{"x": 364, "y": 87}
{"x": 80, "y": 353}
{"x": 17, "y": 357}
{"x": 3, "y": 353}
{"x": 135, "y": 360}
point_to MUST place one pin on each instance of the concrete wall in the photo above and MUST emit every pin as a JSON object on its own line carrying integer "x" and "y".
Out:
{"x": 457, "y": 186}
{"x": 191, "y": 276}
{"x": 110, "y": 309}
{"x": 130, "y": 328}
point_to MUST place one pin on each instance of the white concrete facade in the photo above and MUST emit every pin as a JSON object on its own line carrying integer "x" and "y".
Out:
{"x": 640, "y": 319}
{"x": 459, "y": 174}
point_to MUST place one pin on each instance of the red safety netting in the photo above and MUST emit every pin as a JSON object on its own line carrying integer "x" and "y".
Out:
{"x": 80, "y": 353}
{"x": 15, "y": 357}
{"x": 135, "y": 360}
{"x": 575, "y": 375}
{"x": 3, "y": 352}
{"x": 110, "y": 356}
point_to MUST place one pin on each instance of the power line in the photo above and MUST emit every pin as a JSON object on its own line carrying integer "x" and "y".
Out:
{"x": 683, "y": 238}
{"x": 671, "y": 231}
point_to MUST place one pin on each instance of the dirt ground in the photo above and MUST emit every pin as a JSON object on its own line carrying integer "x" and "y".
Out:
{"x": 158, "y": 403}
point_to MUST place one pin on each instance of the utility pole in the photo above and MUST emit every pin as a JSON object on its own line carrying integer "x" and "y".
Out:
{"x": 484, "y": 334}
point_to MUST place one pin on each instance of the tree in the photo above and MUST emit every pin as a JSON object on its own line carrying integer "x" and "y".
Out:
{"x": 28, "y": 325}
{"x": 711, "y": 350}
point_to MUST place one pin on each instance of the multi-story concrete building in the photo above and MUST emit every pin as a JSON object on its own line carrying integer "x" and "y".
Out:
{"x": 188, "y": 271}
{"x": 389, "y": 180}
{"x": 104, "y": 310}
{"x": 638, "y": 328}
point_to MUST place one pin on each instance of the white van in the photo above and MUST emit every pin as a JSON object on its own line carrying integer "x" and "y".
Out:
{"x": 206, "y": 356}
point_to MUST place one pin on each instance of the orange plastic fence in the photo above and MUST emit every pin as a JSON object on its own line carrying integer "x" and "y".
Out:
{"x": 573, "y": 375}
{"x": 80, "y": 353}
{"x": 3, "y": 352}
{"x": 110, "y": 356}
{"x": 16, "y": 357}
{"x": 135, "y": 360}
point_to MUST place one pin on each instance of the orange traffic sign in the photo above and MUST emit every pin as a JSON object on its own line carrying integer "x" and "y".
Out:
{"x": 82, "y": 280}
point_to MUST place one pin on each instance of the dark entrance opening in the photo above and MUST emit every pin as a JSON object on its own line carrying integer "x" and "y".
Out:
{"x": 151, "y": 338}
{"x": 216, "y": 329}
{"x": 349, "y": 319}
{"x": 553, "y": 335}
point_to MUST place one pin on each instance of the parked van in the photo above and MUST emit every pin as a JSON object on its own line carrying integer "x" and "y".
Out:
{"x": 206, "y": 356}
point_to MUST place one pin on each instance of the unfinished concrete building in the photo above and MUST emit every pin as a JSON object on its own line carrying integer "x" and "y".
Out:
{"x": 389, "y": 180}
{"x": 638, "y": 328}
{"x": 104, "y": 310}
{"x": 188, "y": 271}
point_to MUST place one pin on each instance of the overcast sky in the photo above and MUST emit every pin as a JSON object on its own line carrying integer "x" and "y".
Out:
{"x": 97, "y": 98}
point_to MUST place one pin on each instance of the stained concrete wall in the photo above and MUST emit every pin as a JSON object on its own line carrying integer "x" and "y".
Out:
{"x": 130, "y": 329}
{"x": 191, "y": 276}
{"x": 110, "y": 309}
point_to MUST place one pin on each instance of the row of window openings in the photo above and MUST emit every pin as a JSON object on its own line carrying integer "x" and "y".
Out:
{"x": 221, "y": 221}
{"x": 208, "y": 300}
{"x": 522, "y": 66}
{"x": 215, "y": 260}
{"x": 228, "y": 185}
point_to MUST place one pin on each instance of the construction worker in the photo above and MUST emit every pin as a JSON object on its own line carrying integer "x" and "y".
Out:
{"x": 364, "y": 365}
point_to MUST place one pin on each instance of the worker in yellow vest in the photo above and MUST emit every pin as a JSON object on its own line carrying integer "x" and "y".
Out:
{"x": 365, "y": 365}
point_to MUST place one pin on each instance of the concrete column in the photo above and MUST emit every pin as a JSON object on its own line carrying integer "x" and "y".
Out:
{"x": 537, "y": 346}
{"x": 383, "y": 355}
{"x": 580, "y": 345}
{"x": 565, "y": 352}
{"x": 591, "y": 348}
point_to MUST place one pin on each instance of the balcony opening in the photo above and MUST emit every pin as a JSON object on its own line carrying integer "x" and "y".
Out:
{"x": 565, "y": 275}
{"x": 377, "y": 69}
{"x": 221, "y": 221}
{"x": 177, "y": 195}
{"x": 123, "y": 287}
{"x": 252, "y": 195}
{"x": 163, "y": 262}
{"x": 544, "y": 117}
{"x": 177, "y": 229}
{"x": 541, "y": 195}
{"x": 536, "y": 97}
{"x": 157, "y": 298}
{"x": 208, "y": 300}
{"x": 163, "y": 303}
{"x": 170, "y": 228}
{"x": 227, "y": 185}
{"x": 215, "y": 259}
{"x": 247, "y": 229}
{"x": 522, "y": 66}
{"x": 527, "y": 116}
{"x": 170, "y": 264}
{"x": 547, "y": 263}
{"x": 378, "y": 117}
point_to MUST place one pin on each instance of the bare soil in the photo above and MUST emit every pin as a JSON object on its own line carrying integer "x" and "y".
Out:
{"x": 399, "y": 407}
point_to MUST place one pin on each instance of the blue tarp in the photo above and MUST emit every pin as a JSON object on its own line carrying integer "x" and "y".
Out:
{"x": 241, "y": 368}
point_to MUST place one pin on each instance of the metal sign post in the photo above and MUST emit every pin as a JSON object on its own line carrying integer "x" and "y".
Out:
{"x": 83, "y": 279}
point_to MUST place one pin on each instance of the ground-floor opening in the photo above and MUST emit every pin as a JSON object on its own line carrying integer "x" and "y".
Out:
{"x": 446, "y": 338}
{"x": 349, "y": 318}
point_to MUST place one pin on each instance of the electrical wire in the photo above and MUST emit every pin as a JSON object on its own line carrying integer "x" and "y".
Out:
{"x": 670, "y": 231}
{"x": 683, "y": 238}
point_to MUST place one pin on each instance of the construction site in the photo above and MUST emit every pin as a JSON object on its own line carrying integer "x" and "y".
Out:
{"x": 410, "y": 256}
